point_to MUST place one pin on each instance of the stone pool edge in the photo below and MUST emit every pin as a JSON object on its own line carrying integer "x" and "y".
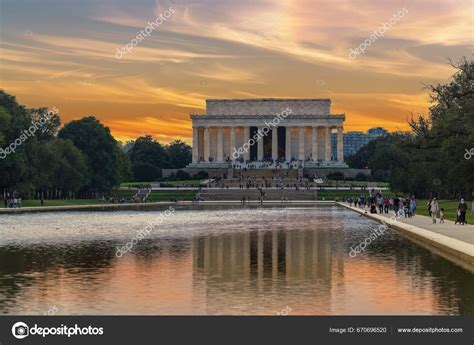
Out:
{"x": 140, "y": 206}
{"x": 459, "y": 252}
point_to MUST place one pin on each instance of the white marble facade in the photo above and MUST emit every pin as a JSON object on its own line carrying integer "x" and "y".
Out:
{"x": 297, "y": 130}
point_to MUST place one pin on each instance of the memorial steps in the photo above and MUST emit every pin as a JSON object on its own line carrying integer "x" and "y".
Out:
{"x": 266, "y": 173}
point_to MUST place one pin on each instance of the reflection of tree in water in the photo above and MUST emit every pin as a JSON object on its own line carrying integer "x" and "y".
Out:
{"x": 450, "y": 280}
{"x": 20, "y": 266}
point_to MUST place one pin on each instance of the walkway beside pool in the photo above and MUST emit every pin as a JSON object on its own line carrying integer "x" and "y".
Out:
{"x": 455, "y": 242}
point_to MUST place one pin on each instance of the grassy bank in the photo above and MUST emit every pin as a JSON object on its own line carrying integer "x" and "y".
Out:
{"x": 35, "y": 203}
{"x": 165, "y": 195}
{"x": 354, "y": 183}
{"x": 333, "y": 194}
{"x": 156, "y": 195}
{"x": 155, "y": 183}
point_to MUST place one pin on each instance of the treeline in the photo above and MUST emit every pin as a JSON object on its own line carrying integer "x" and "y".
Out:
{"x": 148, "y": 157}
{"x": 433, "y": 158}
{"x": 39, "y": 158}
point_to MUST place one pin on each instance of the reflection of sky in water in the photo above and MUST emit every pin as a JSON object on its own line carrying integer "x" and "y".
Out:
{"x": 221, "y": 261}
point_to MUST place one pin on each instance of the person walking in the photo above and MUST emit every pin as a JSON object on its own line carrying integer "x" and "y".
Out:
{"x": 428, "y": 206}
{"x": 434, "y": 209}
{"x": 412, "y": 206}
{"x": 386, "y": 204}
{"x": 462, "y": 208}
{"x": 380, "y": 201}
{"x": 441, "y": 215}
{"x": 396, "y": 204}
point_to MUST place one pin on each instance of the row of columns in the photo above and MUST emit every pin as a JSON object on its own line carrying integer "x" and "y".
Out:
{"x": 301, "y": 143}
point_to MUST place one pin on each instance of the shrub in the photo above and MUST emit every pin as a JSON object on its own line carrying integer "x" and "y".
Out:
{"x": 361, "y": 177}
{"x": 335, "y": 176}
{"x": 201, "y": 175}
{"x": 182, "y": 175}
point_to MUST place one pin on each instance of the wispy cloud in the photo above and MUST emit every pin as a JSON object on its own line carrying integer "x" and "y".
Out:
{"x": 212, "y": 49}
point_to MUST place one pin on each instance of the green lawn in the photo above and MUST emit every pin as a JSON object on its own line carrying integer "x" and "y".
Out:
{"x": 450, "y": 208}
{"x": 156, "y": 195}
{"x": 167, "y": 195}
{"x": 333, "y": 194}
{"x": 135, "y": 184}
{"x": 191, "y": 182}
{"x": 355, "y": 183}
{"x": 125, "y": 193}
{"x": 34, "y": 203}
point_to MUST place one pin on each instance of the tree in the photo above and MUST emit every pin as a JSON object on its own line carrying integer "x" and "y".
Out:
{"x": 146, "y": 172}
{"x": 34, "y": 160}
{"x": 147, "y": 152}
{"x": 441, "y": 140}
{"x": 429, "y": 160}
{"x": 179, "y": 153}
{"x": 60, "y": 167}
{"x": 380, "y": 155}
{"x": 15, "y": 170}
{"x": 103, "y": 154}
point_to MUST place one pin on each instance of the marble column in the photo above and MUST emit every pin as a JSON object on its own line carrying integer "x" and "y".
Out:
{"x": 195, "y": 145}
{"x": 232, "y": 144}
{"x": 275, "y": 143}
{"x": 327, "y": 145}
{"x": 301, "y": 144}
{"x": 246, "y": 139}
{"x": 340, "y": 144}
{"x": 314, "y": 141}
{"x": 260, "y": 145}
{"x": 288, "y": 144}
{"x": 220, "y": 145}
{"x": 207, "y": 144}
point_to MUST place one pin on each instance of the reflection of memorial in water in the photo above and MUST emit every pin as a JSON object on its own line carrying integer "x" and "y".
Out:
{"x": 270, "y": 262}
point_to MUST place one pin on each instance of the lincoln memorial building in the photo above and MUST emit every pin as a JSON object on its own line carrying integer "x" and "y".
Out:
{"x": 267, "y": 133}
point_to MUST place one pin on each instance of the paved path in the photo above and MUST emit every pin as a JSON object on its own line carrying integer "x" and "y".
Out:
{"x": 463, "y": 233}
{"x": 455, "y": 242}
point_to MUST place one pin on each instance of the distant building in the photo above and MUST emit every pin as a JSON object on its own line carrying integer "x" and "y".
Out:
{"x": 353, "y": 141}
{"x": 376, "y": 132}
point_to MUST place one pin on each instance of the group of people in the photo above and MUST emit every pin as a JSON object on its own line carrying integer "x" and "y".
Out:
{"x": 406, "y": 206}
{"x": 380, "y": 204}
{"x": 433, "y": 208}
{"x": 12, "y": 203}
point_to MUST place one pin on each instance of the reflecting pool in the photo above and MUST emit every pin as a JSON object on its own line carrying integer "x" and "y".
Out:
{"x": 221, "y": 260}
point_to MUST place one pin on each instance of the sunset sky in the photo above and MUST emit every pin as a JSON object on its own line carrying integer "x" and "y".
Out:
{"x": 62, "y": 53}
